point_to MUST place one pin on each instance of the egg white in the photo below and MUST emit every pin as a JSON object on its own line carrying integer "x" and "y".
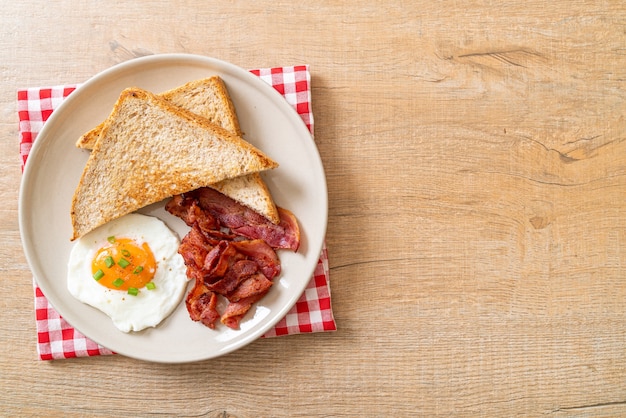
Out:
{"x": 149, "y": 307}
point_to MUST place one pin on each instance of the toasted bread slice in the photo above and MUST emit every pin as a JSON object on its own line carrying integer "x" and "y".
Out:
{"x": 150, "y": 149}
{"x": 208, "y": 97}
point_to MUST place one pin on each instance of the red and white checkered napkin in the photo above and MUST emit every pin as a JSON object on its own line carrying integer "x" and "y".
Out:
{"x": 56, "y": 339}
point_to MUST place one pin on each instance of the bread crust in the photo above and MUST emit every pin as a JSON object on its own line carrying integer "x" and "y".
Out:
{"x": 223, "y": 112}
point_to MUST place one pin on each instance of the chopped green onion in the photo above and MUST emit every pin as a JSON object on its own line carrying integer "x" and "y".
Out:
{"x": 111, "y": 239}
{"x": 126, "y": 253}
{"x": 133, "y": 291}
{"x": 123, "y": 263}
{"x": 150, "y": 286}
{"x": 108, "y": 261}
{"x": 138, "y": 269}
{"x": 118, "y": 282}
{"x": 98, "y": 275}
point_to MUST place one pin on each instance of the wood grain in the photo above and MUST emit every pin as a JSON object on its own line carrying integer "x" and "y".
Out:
{"x": 476, "y": 162}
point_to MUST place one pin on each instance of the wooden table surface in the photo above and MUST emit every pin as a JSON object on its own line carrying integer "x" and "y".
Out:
{"x": 475, "y": 155}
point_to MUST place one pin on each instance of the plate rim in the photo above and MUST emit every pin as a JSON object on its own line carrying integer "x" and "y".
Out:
{"x": 38, "y": 146}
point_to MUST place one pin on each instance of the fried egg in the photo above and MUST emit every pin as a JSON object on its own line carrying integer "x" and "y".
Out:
{"x": 129, "y": 269}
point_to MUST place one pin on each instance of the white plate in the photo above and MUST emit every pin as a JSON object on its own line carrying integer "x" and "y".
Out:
{"x": 55, "y": 165}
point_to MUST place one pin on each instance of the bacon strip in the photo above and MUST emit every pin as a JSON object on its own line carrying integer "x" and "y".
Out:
{"x": 265, "y": 257}
{"x": 236, "y": 310}
{"x": 202, "y": 305}
{"x": 234, "y": 277}
{"x": 251, "y": 286}
{"x": 229, "y": 252}
{"x": 242, "y": 220}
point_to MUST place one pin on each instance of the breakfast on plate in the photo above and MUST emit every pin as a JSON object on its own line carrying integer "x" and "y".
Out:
{"x": 184, "y": 145}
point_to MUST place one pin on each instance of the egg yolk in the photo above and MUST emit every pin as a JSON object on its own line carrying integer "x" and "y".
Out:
{"x": 123, "y": 264}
